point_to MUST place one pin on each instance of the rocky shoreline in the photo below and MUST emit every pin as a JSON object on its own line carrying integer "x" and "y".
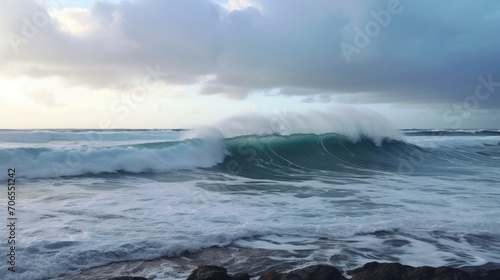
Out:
{"x": 369, "y": 271}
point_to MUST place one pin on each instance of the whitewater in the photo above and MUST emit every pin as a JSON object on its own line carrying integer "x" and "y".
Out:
{"x": 251, "y": 192}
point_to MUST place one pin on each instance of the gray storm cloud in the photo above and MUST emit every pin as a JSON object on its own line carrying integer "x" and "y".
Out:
{"x": 413, "y": 52}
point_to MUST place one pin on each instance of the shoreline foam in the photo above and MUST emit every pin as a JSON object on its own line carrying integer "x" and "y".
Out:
{"x": 249, "y": 262}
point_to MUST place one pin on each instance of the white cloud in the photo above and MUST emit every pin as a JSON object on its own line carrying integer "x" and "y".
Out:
{"x": 76, "y": 21}
{"x": 232, "y": 5}
{"x": 429, "y": 53}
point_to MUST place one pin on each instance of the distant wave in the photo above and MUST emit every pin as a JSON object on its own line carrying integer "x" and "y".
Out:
{"x": 88, "y": 136}
{"x": 451, "y": 132}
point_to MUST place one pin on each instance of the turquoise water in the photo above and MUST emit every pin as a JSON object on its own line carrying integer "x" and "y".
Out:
{"x": 87, "y": 198}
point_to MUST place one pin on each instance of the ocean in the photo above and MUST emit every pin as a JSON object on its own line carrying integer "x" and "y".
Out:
{"x": 155, "y": 203}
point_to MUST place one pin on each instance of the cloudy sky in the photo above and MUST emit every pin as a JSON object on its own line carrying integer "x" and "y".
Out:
{"x": 179, "y": 63}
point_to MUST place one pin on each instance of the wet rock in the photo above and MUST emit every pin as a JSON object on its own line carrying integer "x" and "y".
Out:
{"x": 448, "y": 273}
{"x": 379, "y": 271}
{"x": 317, "y": 272}
{"x": 483, "y": 274}
{"x": 440, "y": 273}
{"x": 212, "y": 272}
{"x": 370, "y": 271}
{"x": 314, "y": 272}
{"x": 420, "y": 273}
{"x": 270, "y": 275}
{"x": 240, "y": 276}
{"x": 209, "y": 272}
{"x": 397, "y": 271}
{"x": 128, "y": 278}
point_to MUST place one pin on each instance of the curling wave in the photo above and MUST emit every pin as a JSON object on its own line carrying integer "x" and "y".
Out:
{"x": 254, "y": 154}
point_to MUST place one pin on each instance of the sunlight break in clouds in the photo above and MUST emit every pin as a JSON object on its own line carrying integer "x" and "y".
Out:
{"x": 232, "y": 5}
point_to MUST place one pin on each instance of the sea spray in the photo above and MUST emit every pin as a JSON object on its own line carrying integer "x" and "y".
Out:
{"x": 349, "y": 122}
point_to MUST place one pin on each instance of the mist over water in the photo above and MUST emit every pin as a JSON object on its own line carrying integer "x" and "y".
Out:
{"x": 348, "y": 122}
{"x": 342, "y": 188}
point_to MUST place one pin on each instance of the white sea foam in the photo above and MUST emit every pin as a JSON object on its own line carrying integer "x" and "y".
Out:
{"x": 46, "y": 163}
{"x": 77, "y": 223}
{"x": 349, "y": 122}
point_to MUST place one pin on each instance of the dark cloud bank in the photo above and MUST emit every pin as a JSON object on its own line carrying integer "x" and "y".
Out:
{"x": 412, "y": 52}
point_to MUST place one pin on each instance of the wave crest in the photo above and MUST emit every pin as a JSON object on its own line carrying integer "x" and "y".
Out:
{"x": 351, "y": 123}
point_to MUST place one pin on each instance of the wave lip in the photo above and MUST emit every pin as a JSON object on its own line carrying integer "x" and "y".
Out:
{"x": 351, "y": 123}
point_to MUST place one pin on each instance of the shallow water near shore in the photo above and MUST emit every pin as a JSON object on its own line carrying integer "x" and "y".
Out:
{"x": 288, "y": 253}
{"x": 127, "y": 203}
